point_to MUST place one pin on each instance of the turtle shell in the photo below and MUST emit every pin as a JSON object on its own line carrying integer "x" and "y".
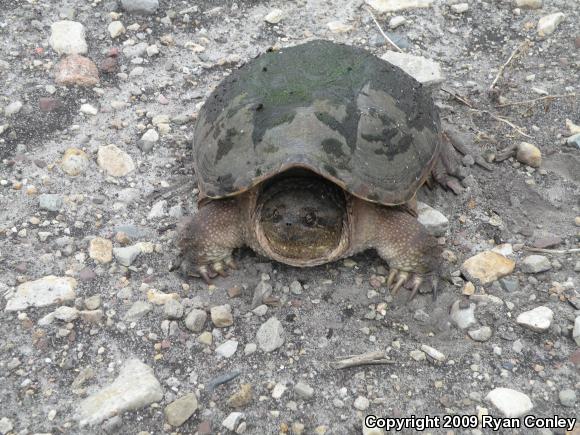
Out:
{"x": 335, "y": 109}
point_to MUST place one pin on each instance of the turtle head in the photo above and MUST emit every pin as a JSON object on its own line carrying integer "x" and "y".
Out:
{"x": 301, "y": 218}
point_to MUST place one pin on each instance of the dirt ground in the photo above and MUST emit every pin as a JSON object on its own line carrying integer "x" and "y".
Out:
{"x": 335, "y": 311}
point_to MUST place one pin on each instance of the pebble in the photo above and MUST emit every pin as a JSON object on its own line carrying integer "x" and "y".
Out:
{"x": 480, "y": 334}
{"x": 13, "y": 108}
{"x": 173, "y": 309}
{"x": 158, "y": 210}
{"x": 574, "y": 140}
{"x": 383, "y": 6}
{"x": 529, "y": 154}
{"x": 93, "y": 302}
{"x": 88, "y": 109}
{"x": 260, "y": 310}
{"x": 180, "y": 410}
{"x": 576, "y": 331}
{"x": 74, "y": 162}
{"x": 271, "y": 335}
{"x": 528, "y": 4}
{"x": 116, "y": 29}
{"x": 152, "y": 50}
{"x": 460, "y": 8}
{"x": 227, "y": 349}
{"x": 274, "y": 16}
{"x": 278, "y": 390}
{"x": 115, "y": 161}
{"x": 418, "y": 355}
{"x": 242, "y": 397}
{"x": 42, "y": 292}
{"x": 434, "y": 221}
{"x": 134, "y": 51}
{"x": 101, "y": 250}
{"x": 232, "y": 421}
{"x": 149, "y": 138}
{"x": 195, "y": 320}
{"x": 548, "y": 24}
{"x": 462, "y": 317}
{"x": 433, "y": 353}
{"x": 425, "y": 71}
{"x": 221, "y": 316}
{"x": 366, "y": 430}
{"x": 361, "y": 403}
{"x": 546, "y": 241}
{"x": 5, "y": 425}
{"x": 250, "y": 349}
{"x": 68, "y": 37}
{"x": 567, "y": 398}
{"x": 510, "y": 403}
{"x": 137, "y": 311}
{"x": 339, "y": 27}
{"x": 205, "y": 338}
{"x": 303, "y": 390}
{"x": 50, "y": 202}
{"x": 146, "y": 7}
{"x": 486, "y": 267}
{"x": 134, "y": 388}
{"x": 535, "y": 264}
{"x": 397, "y": 21}
{"x": 125, "y": 256}
{"x": 539, "y": 319}
{"x": 159, "y": 298}
{"x": 296, "y": 288}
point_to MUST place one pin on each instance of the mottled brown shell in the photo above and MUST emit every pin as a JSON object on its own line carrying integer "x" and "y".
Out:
{"x": 335, "y": 109}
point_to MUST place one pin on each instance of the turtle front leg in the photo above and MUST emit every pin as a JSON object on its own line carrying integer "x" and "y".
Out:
{"x": 412, "y": 254}
{"x": 206, "y": 241}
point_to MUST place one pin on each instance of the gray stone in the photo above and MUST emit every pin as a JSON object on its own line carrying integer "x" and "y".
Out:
{"x": 574, "y": 140}
{"x": 43, "y": 292}
{"x": 137, "y": 310}
{"x": 149, "y": 138}
{"x": 304, "y": 391}
{"x": 127, "y": 255}
{"x": 135, "y": 387}
{"x": 510, "y": 284}
{"x": 462, "y": 317}
{"x": 140, "y": 6}
{"x": 383, "y": 6}
{"x": 539, "y": 319}
{"x": 480, "y": 334}
{"x": 567, "y": 398}
{"x": 5, "y": 425}
{"x": 232, "y": 421}
{"x": 195, "y": 320}
{"x": 433, "y": 353}
{"x": 510, "y": 403}
{"x": 576, "y": 331}
{"x": 260, "y": 310}
{"x": 227, "y": 349}
{"x": 434, "y": 221}
{"x": 173, "y": 309}
{"x": 548, "y": 24}
{"x": 250, "y": 348}
{"x": 115, "y": 161}
{"x": 296, "y": 287}
{"x": 68, "y": 37}
{"x": 271, "y": 335}
{"x": 13, "y": 108}
{"x": 221, "y": 316}
{"x": 158, "y": 210}
{"x": 50, "y": 201}
{"x": 424, "y": 70}
{"x": 535, "y": 264}
{"x": 180, "y": 410}
{"x": 361, "y": 403}
{"x": 417, "y": 355}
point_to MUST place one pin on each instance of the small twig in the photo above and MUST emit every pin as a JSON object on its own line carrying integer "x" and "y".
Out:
{"x": 383, "y": 33}
{"x": 534, "y": 100}
{"x": 499, "y": 118}
{"x": 370, "y": 358}
{"x": 458, "y": 97}
{"x": 503, "y": 67}
{"x": 552, "y": 251}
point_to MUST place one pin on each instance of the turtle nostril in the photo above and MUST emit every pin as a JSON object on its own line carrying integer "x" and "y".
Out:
{"x": 288, "y": 224}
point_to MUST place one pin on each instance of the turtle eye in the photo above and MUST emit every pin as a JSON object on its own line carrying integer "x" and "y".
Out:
{"x": 310, "y": 219}
{"x": 276, "y": 216}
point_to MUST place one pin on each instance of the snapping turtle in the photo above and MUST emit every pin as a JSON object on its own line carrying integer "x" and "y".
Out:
{"x": 311, "y": 154}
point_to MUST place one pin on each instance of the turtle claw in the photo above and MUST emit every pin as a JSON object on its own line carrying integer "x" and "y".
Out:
{"x": 204, "y": 273}
{"x": 231, "y": 263}
{"x": 399, "y": 278}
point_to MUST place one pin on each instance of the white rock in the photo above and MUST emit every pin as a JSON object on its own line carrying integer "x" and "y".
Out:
{"x": 66, "y": 314}
{"x": 278, "y": 390}
{"x": 528, "y": 4}
{"x": 548, "y": 24}
{"x": 140, "y": 6}
{"x": 5, "y": 425}
{"x": 127, "y": 255}
{"x": 433, "y": 353}
{"x": 576, "y": 331}
{"x": 510, "y": 403}
{"x": 271, "y": 335}
{"x": 424, "y": 70}
{"x": 13, "y": 108}
{"x": 233, "y": 420}
{"x": 116, "y": 29}
{"x": 481, "y": 334}
{"x": 152, "y": 50}
{"x": 504, "y": 249}
{"x": 366, "y": 430}
{"x": 417, "y": 355}
{"x": 460, "y": 8}
{"x": 361, "y": 403}
{"x": 227, "y": 349}
{"x": 462, "y": 317}
{"x": 274, "y": 16}
{"x": 68, "y": 37}
{"x": 88, "y": 109}
{"x": 338, "y": 27}
{"x": 535, "y": 264}
{"x": 434, "y": 221}
{"x": 250, "y": 348}
{"x": 397, "y": 5}
{"x": 42, "y": 292}
{"x": 158, "y": 210}
{"x": 135, "y": 387}
{"x": 397, "y": 21}
{"x": 115, "y": 161}
{"x": 539, "y": 319}
{"x": 195, "y": 320}
{"x": 303, "y": 390}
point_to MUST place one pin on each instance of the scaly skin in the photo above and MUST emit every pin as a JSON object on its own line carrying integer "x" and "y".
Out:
{"x": 206, "y": 240}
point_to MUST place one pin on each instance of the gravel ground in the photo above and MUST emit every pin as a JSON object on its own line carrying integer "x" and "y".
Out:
{"x": 97, "y": 336}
